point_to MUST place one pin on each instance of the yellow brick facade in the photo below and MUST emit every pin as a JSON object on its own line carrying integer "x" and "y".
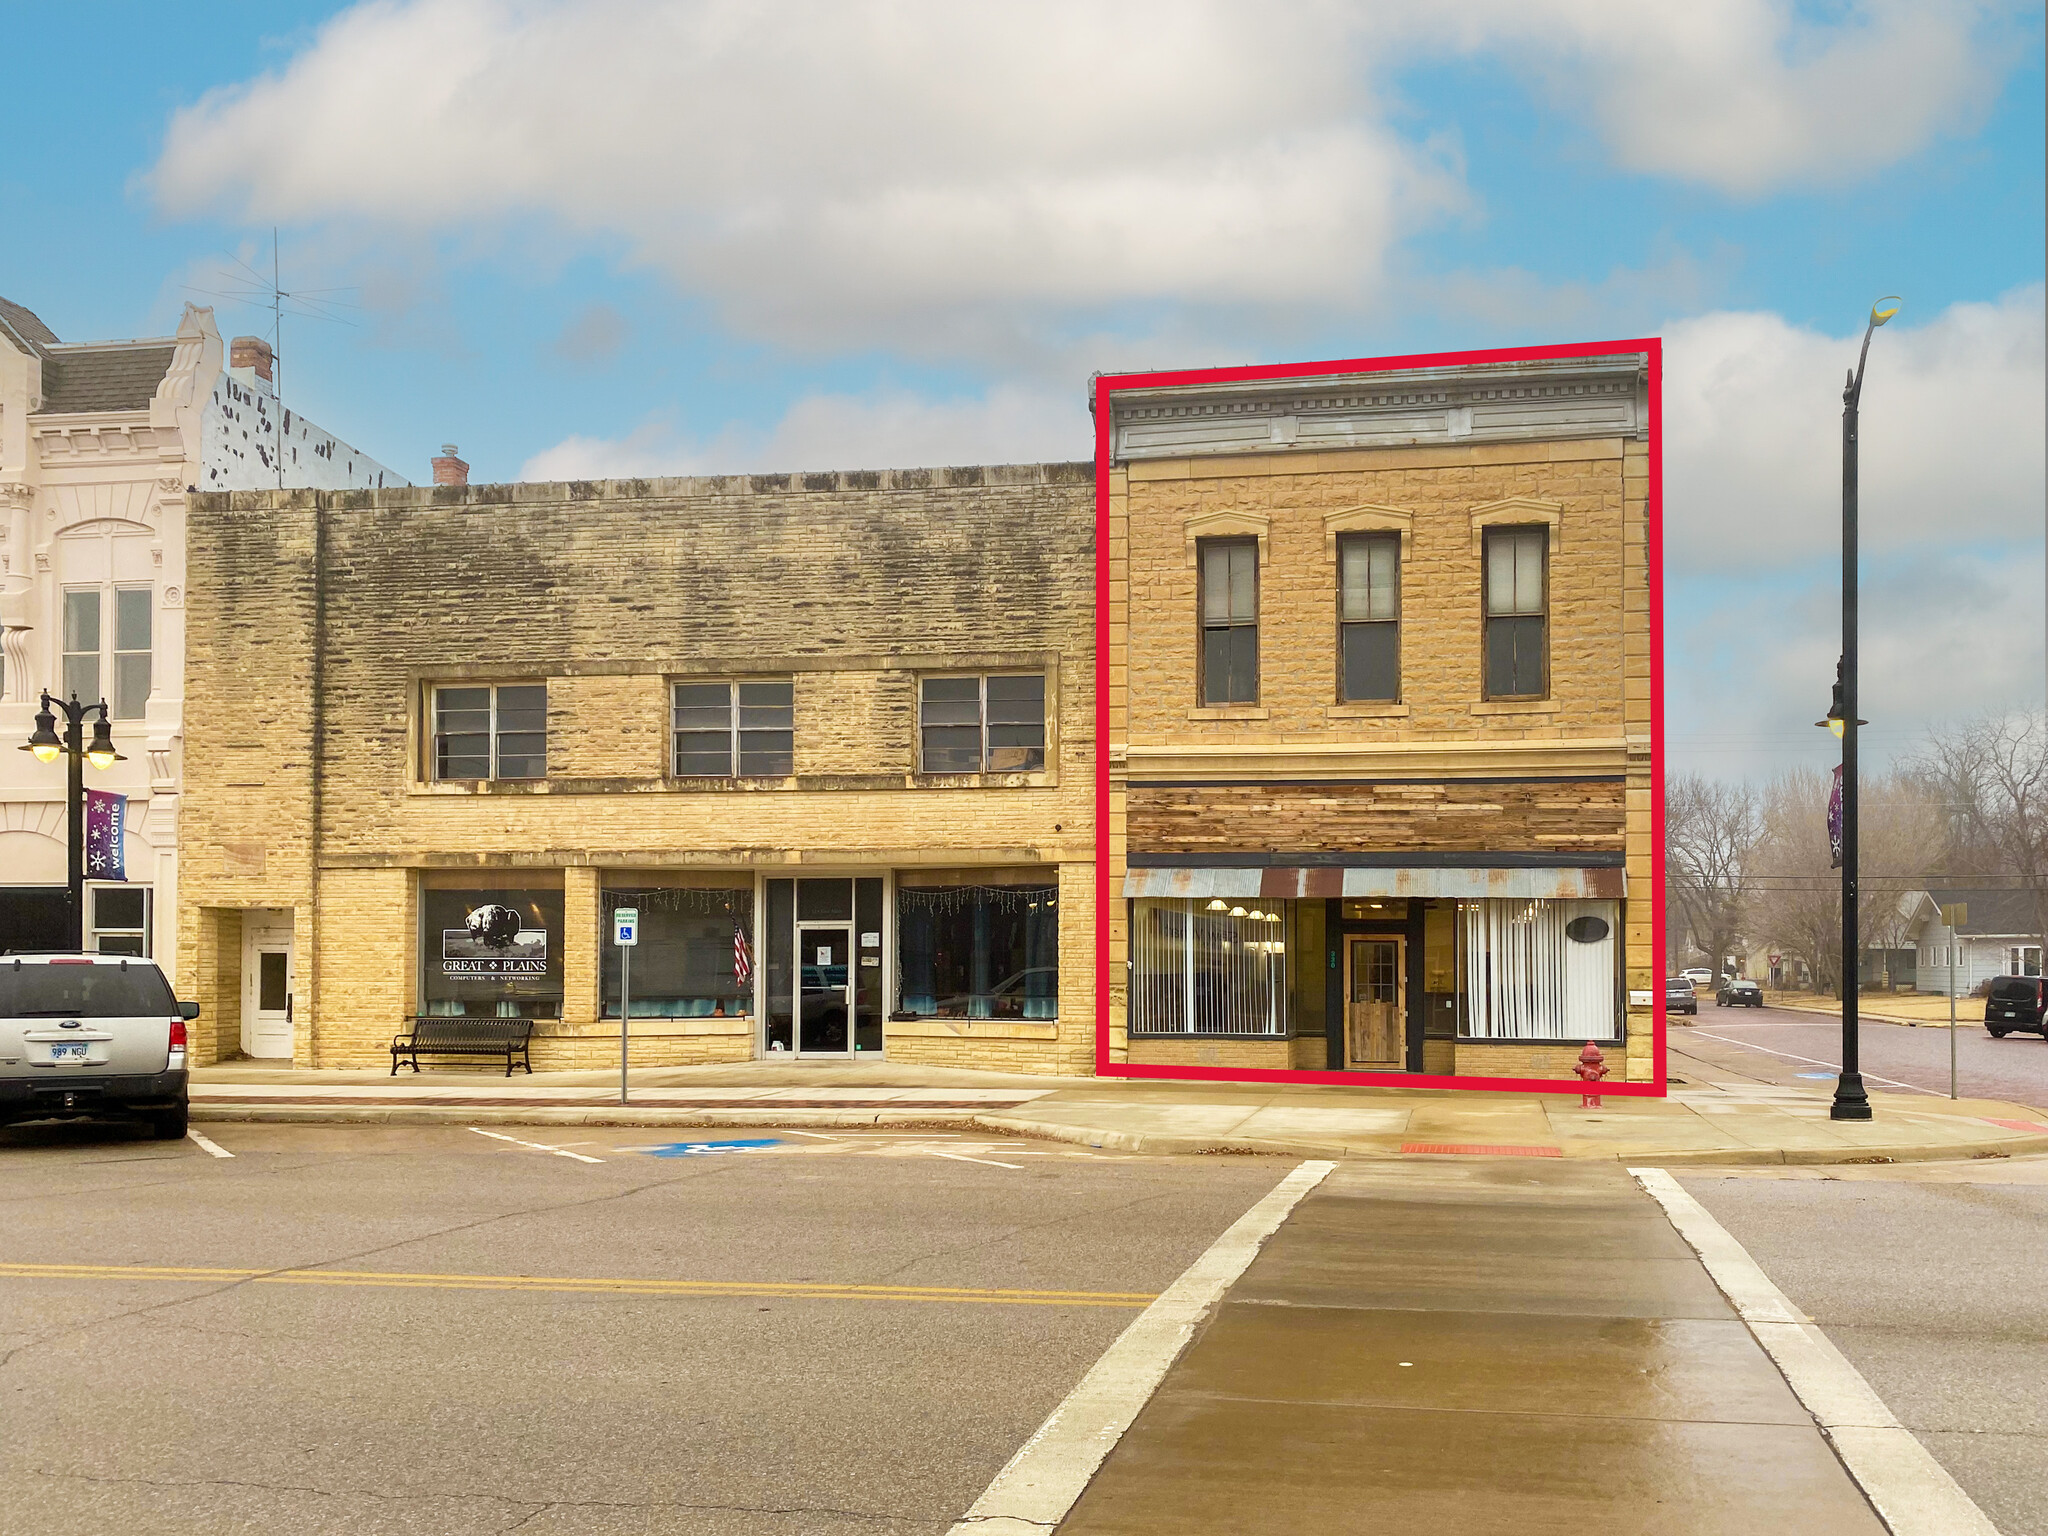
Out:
{"x": 1444, "y": 740}
{"x": 319, "y": 626}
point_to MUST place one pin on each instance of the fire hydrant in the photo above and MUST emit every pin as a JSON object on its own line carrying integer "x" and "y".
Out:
{"x": 1591, "y": 1068}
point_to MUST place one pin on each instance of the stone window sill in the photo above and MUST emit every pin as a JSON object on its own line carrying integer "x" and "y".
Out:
{"x": 1366, "y": 711}
{"x": 1231, "y": 712}
{"x": 1518, "y": 707}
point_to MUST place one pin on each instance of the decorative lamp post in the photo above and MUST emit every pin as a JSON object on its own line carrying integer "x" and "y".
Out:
{"x": 1851, "y": 1102}
{"x": 48, "y": 746}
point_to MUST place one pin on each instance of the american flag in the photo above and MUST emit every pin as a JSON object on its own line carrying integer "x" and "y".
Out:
{"x": 742, "y": 962}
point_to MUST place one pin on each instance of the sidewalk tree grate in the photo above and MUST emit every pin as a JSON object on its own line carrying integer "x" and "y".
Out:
{"x": 1474, "y": 1149}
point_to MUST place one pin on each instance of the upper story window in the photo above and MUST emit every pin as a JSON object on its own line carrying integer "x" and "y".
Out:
{"x": 987, "y": 724}
{"x": 85, "y": 640}
{"x": 734, "y": 729}
{"x": 491, "y": 731}
{"x": 1230, "y": 621}
{"x": 1517, "y": 613}
{"x": 1369, "y": 617}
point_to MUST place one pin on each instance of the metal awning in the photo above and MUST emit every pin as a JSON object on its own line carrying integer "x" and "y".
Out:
{"x": 1554, "y": 883}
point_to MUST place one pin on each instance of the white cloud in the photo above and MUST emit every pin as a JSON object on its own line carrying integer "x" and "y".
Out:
{"x": 991, "y": 178}
{"x": 1951, "y": 448}
{"x": 891, "y": 429}
{"x": 1748, "y": 96}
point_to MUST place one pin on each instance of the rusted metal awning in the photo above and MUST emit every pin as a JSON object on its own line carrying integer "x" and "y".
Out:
{"x": 1555, "y": 883}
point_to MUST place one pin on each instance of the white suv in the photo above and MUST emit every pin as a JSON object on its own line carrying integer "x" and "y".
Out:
{"x": 87, "y": 1036}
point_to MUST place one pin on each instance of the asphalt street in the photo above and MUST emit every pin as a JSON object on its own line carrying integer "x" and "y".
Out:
{"x": 350, "y": 1329}
{"x": 1780, "y": 1045}
{"x": 1929, "y": 1278}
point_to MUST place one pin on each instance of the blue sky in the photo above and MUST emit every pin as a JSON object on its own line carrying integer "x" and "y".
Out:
{"x": 635, "y": 236}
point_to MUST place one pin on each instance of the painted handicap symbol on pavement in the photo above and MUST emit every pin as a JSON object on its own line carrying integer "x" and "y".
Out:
{"x": 709, "y": 1148}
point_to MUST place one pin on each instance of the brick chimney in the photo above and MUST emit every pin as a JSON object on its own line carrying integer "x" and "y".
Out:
{"x": 448, "y": 469}
{"x": 251, "y": 352}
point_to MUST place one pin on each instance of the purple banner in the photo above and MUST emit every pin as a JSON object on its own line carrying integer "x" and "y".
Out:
{"x": 106, "y": 820}
{"x": 1835, "y": 821}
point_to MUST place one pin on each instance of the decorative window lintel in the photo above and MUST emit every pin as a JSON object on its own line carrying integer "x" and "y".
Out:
{"x": 1522, "y": 510}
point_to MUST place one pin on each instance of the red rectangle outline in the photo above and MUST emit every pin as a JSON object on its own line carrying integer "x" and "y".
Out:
{"x": 1107, "y": 384}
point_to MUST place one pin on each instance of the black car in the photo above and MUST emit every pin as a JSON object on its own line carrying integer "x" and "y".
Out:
{"x": 1736, "y": 992}
{"x": 2016, "y": 1002}
{"x": 1679, "y": 996}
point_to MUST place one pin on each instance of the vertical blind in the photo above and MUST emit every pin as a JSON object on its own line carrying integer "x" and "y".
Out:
{"x": 1528, "y": 978}
{"x": 1196, "y": 971}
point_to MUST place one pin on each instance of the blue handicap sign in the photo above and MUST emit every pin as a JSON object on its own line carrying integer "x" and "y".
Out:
{"x": 709, "y": 1148}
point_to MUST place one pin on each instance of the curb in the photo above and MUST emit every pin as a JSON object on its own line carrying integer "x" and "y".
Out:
{"x": 1153, "y": 1143}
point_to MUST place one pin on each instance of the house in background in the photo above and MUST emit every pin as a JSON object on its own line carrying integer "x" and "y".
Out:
{"x": 99, "y": 444}
{"x": 2001, "y": 937}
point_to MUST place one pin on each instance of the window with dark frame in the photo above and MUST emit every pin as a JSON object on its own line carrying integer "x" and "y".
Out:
{"x": 491, "y": 731}
{"x": 1230, "y": 621}
{"x": 991, "y": 723}
{"x": 1369, "y": 617}
{"x": 739, "y": 729}
{"x": 1517, "y": 613}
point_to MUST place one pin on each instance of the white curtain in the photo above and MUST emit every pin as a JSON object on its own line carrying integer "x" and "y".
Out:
{"x": 1196, "y": 970}
{"x": 1526, "y": 978}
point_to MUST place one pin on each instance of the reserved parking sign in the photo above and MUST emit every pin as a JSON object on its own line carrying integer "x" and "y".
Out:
{"x": 625, "y": 926}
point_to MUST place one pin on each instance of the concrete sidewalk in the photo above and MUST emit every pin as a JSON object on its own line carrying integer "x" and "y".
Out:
{"x": 1732, "y": 1121}
{"x": 1485, "y": 1349}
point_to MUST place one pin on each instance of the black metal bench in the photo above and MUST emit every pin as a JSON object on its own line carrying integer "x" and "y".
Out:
{"x": 458, "y": 1036}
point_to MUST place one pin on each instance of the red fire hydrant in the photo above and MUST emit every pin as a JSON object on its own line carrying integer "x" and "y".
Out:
{"x": 1591, "y": 1068}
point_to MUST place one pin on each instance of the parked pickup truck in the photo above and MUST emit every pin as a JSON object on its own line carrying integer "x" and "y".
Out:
{"x": 91, "y": 1037}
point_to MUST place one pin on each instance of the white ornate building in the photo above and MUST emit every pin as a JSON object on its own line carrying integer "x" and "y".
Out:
{"x": 99, "y": 442}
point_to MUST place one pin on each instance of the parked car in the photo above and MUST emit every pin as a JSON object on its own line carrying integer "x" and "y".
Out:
{"x": 2016, "y": 1002}
{"x": 1699, "y": 976}
{"x": 1679, "y": 996}
{"x": 1736, "y": 992}
{"x": 91, "y": 1037}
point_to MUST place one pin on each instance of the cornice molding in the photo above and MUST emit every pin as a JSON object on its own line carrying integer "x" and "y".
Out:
{"x": 1374, "y": 760}
{"x": 1546, "y": 399}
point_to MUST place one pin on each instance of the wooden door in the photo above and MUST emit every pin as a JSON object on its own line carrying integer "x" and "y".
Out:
{"x": 1376, "y": 1004}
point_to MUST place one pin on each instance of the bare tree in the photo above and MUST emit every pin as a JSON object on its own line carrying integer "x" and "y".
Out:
{"x": 1711, "y": 833}
{"x": 1799, "y": 894}
{"x": 1993, "y": 775}
{"x": 1798, "y": 899}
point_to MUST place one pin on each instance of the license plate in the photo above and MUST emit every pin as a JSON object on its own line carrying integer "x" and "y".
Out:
{"x": 68, "y": 1051}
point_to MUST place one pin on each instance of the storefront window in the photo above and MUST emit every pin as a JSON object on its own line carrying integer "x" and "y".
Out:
{"x": 492, "y": 950}
{"x": 1216, "y": 967}
{"x": 695, "y": 958}
{"x": 1540, "y": 970}
{"x": 987, "y": 950}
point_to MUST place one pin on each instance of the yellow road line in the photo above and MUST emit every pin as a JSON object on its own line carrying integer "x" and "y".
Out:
{"x": 577, "y": 1284}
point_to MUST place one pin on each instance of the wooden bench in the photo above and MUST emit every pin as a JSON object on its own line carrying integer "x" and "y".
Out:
{"x": 458, "y": 1036}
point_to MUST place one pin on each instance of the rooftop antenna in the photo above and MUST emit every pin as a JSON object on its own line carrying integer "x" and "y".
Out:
{"x": 249, "y": 288}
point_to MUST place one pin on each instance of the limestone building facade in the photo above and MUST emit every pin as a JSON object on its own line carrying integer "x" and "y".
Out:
{"x": 1380, "y": 716}
{"x": 831, "y": 736}
{"x": 101, "y": 443}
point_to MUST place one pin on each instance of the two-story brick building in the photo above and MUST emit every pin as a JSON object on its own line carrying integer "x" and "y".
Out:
{"x": 1379, "y": 709}
{"x": 832, "y": 736}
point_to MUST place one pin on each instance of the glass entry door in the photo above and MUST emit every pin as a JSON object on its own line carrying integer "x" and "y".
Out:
{"x": 824, "y": 990}
{"x": 1375, "y": 1004}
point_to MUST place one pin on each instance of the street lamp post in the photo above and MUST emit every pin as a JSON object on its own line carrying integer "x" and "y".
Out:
{"x": 1851, "y": 1102}
{"x": 48, "y": 746}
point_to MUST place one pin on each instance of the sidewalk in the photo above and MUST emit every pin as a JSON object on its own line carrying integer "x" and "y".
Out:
{"x": 1482, "y": 1349}
{"x": 1701, "y": 1122}
{"x": 1925, "y": 1011}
